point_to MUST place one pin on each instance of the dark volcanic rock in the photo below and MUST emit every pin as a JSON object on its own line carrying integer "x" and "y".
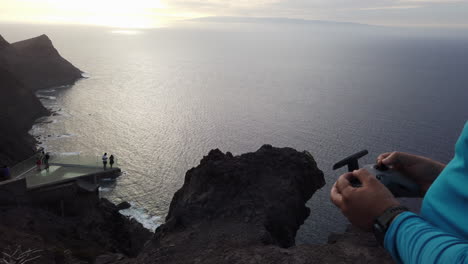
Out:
{"x": 37, "y": 64}
{"x": 20, "y": 107}
{"x": 3, "y": 43}
{"x": 247, "y": 209}
{"x": 94, "y": 231}
{"x": 268, "y": 188}
{"x": 124, "y": 205}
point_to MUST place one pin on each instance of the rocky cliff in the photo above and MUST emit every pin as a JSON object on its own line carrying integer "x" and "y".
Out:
{"x": 20, "y": 107}
{"x": 3, "y": 43}
{"x": 26, "y": 66}
{"x": 247, "y": 209}
{"x": 37, "y": 64}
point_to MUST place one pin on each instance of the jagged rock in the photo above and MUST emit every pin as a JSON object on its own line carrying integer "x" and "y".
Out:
{"x": 260, "y": 188}
{"x": 228, "y": 204}
{"x": 124, "y": 205}
{"x": 37, "y": 64}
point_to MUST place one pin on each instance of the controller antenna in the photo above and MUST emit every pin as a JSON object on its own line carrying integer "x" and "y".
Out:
{"x": 351, "y": 161}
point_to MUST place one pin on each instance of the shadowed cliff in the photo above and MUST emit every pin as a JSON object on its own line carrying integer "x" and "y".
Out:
{"x": 37, "y": 64}
{"x": 26, "y": 66}
{"x": 20, "y": 107}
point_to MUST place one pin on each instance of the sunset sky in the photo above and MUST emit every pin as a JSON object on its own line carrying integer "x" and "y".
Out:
{"x": 157, "y": 13}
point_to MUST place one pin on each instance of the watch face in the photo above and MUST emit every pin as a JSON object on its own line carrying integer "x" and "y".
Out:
{"x": 378, "y": 228}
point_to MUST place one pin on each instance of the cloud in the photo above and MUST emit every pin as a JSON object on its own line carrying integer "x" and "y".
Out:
{"x": 136, "y": 12}
{"x": 391, "y": 7}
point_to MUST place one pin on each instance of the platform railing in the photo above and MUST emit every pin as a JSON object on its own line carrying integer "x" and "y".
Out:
{"x": 25, "y": 166}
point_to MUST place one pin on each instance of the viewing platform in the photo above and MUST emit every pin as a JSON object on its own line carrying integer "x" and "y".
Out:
{"x": 66, "y": 177}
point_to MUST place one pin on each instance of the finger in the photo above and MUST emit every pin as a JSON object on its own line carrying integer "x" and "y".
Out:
{"x": 336, "y": 197}
{"x": 392, "y": 159}
{"x": 343, "y": 182}
{"x": 363, "y": 176}
{"x": 383, "y": 156}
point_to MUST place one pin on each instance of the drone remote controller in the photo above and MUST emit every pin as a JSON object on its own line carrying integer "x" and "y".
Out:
{"x": 396, "y": 182}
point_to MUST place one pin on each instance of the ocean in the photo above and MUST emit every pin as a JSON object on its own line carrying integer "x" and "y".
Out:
{"x": 160, "y": 99}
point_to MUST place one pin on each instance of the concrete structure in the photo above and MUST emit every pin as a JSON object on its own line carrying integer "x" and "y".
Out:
{"x": 56, "y": 187}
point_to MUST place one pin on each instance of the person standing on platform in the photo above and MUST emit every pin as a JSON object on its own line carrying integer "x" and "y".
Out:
{"x": 104, "y": 160}
{"x": 111, "y": 161}
{"x": 39, "y": 163}
{"x": 46, "y": 161}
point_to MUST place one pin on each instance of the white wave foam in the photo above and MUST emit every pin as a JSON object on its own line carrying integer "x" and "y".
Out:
{"x": 62, "y": 136}
{"x": 105, "y": 189}
{"x": 149, "y": 222}
{"x": 68, "y": 153}
{"x": 46, "y": 91}
{"x": 85, "y": 75}
{"x": 46, "y": 97}
{"x": 36, "y": 130}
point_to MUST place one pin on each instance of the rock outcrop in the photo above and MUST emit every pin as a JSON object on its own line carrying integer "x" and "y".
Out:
{"x": 94, "y": 232}
{"x": 26, "y": 66}
{"x": 3, "y": 43}
{"x": 247, "y": 209}
{"x": 37, "y": 64}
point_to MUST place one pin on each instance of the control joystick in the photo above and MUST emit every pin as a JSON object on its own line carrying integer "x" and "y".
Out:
{"x": 396, "y": 182}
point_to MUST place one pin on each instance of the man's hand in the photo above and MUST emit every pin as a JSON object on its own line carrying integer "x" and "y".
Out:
{"x": 361, "y": 205}
{"x": 422, "y": 170}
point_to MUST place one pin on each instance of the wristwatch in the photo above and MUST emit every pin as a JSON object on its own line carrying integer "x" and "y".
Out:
{"x": 382, "y": 223}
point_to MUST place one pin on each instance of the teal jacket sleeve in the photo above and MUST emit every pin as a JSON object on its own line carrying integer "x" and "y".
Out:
{"x": 411, "y": 239}
{"x": 440, "y": 233}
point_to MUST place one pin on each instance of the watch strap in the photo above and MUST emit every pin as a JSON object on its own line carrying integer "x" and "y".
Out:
{"x": 382, "y": 222}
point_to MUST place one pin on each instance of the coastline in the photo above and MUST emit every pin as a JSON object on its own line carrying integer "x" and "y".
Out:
{"x": 25, "y": 67}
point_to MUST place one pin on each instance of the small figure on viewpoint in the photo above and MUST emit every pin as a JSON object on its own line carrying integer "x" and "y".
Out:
{"x": 111, "y": 161}
{"x": 46, "y": 161}
{"x": 439, "y": 234}
{"x": 38, "y": 163}
{"x": 104, "y": 160}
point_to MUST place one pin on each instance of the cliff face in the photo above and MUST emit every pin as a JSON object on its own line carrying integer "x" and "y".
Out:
{"x": 26, "y": 66}
{"x": 247, "y": 209}
{"x": 37, "y": 64}
{"x": 3, "y": 43}
{"x": 20, "y": 107}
